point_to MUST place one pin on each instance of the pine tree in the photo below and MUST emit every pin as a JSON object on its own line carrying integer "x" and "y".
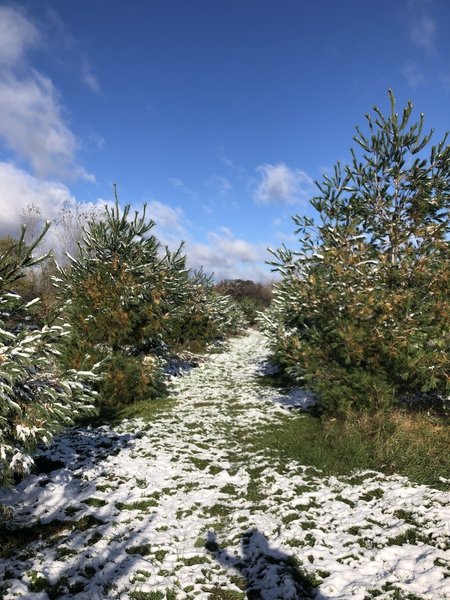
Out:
{"x": 202, "y": 314}
{"x": 362, "y": 313}
{"x": 124, "y": 295}
{"x": 37, "y": 397}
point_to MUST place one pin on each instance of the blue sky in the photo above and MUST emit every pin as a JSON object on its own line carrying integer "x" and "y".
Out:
{"x": 219, "y": 114}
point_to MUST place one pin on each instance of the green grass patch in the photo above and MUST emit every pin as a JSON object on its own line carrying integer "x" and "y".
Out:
{"x": 195, "y": 560}
{"x": 20, "y": 537}
{"x": 96, "y": 502}
{"x": 372, "y": 495}
{"x": 407, "y": 516}
{"x": 219, "y": 510}
{"x": 200, "y": 463}
{"x": 143, "y": 550}
{"x": 218, "y": 593}
{"x": 229, "y": 489}
{"x": 148, "y": 410}
{"x": 413, "y": 445}
{"x": 138, "y": 505}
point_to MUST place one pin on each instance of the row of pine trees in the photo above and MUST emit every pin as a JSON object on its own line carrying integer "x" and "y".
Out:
{"x": 123, "y": 305}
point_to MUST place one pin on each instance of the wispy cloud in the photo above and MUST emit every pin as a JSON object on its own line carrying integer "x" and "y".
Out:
{"x": 179, "y": 185}
{"x": 413, "y": 76}
{"x": 73, "y": 46}
{"x": 232, "y": 248}
{"x": 31, "y": 117}
{"x": 423, "y": 34}
{"x": 19, "y": 189}
{"x": 223, "y": 254}
{"x": 97, "y": 140}
{"x": 88, "y": 76}
{"x": 17, "y": 35}
{"x": 280, "y": 184}
{"x": 221, "y": 184}
{"x": 230, "y": 164}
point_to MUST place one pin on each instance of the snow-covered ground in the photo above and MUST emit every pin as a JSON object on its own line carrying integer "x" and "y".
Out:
{"x": 179, "y": 508}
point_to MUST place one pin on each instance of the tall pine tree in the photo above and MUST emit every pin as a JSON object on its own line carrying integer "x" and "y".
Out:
{"x": 362, "y": 314}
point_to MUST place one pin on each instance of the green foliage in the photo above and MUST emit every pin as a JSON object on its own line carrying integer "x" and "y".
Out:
{"x": 130, "y": 301}
{"x": 362, "y": 314}
{"x": 203, "y": 314}
{"x": 37, "y": 397}
{"x": 129, "y": 378}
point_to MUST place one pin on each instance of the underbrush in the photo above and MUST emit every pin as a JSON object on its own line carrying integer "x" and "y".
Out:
{"x": 414, "y": 445}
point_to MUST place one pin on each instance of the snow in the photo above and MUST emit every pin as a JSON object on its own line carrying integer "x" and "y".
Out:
{"x": 182, "y": 505}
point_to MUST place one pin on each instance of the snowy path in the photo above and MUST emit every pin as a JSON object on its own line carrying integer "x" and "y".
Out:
{"x": 181, "y": 508}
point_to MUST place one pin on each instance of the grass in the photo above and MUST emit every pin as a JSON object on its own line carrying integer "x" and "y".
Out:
{"x": 20, "y": 537}
{"x": 95, "y": 502}
{"x": 143, "y": 549}
{"x": 413, "y": 445}
{"x": 138, "y": 505}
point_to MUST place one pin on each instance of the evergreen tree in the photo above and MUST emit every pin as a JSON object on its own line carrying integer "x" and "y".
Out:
{"x": 115, "y": 300}
{"x": 362, "y": 314}
{"x": 37, "y": 398}
{"x": 203, "y": 314}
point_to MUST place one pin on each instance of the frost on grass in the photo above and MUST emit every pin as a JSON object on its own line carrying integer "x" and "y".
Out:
{"x": 180, "y": 507}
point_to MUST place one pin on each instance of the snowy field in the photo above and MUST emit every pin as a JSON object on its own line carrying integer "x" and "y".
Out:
{"x": 181, "y": 508}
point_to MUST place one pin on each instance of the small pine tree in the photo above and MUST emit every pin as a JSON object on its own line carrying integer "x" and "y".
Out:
{"x": 202, "y": 314}
{"x": 37, "y": 397}
{"x": 118, "y": 294}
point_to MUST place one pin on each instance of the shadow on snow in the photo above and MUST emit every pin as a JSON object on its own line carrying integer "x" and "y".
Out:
{"x": 269, "y": 574}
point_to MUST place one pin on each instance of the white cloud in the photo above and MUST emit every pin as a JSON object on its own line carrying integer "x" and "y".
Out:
{"x": 224, "y": 255}
{"x": 235, "y": 250}
{"x": 19, "y": 189}
{"x": 17, "y": 34}
{"x": 170, "y": 223}
{"x": 423, "y": 34}
{"x": 32, "y": 126}
{"x": 228, "y": 257}
{"x": 25, "y": 199}
{"x": 280, "y": 184}
{"x": 31, "y": 118}
{"x": 413, "y": 76}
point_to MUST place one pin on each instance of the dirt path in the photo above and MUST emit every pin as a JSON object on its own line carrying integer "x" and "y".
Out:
{"x": 180, "y": 507}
